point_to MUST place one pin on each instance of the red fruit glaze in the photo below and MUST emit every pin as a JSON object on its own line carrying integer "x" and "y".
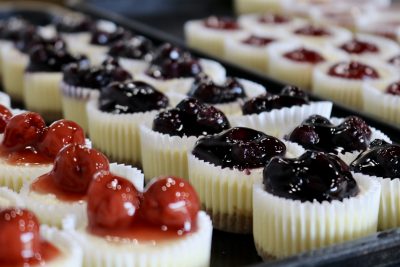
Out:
{"x": 221, "y": 23}
{"x": 60, "y": 134}
{"x": 19, "y": 236}
{"x": 359, "y": 47}
{"x": 394, "y": 88}
{"x": 23, "y": 130}
{"x": 113, "y": 202}
{"x": 75, "y": 167}
{"x": 258, "y": 41}
{"x": 353, "y": 70}
{"x": 311, "y": 30}
{"x": 5, "y": 116}
{"x": 305, "y": 56}
{"x": 273, "y": 19}
{"x": 171, "y": 202}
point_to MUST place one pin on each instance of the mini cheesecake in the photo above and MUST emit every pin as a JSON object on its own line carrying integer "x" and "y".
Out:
{"x": 342, "y": 81}
{"x": 320, "y": 35}
{"x": 82, "y": 83}
{"x": 163, "y": 226}
{"x": 29, "y": 244}
{"x": 28, "y": 147}
{"x": 115, "y": 117}
{"x": 173, "y": 70}
{"x": 258, "y": 6}
{"x": 381, "y": 163}
{"x": 210, "y": 34}
{"x": 346, "y": 137}
{"x": 385, "y": 23}
{"x": 318, "y": 199}
{"x": 223, "y": 169}
{"x": 294, "y": 63}
{"x": 166, "y": 140}
{"x": 276, "y": 114}
{"x": 59, "y": 197}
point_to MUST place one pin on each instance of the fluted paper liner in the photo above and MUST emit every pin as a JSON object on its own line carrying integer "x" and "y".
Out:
{"x": 117, "y": 135}
{"x": 55, "y": 212}
{"x": 71, "y": 253}
{"x": 9, "y": 198}
{"x": 182, "y": 85}
{"x": 190, "y": 250}
{"x": 14, "y": 64}
{"x": 42, "y": 93}
{"x": 227, "y": 194}
{"x": 252, "y": 89}
{"x": 284, "y": 227}
{"x": 278, "y": 122}
{"x": 348, "y": 91}
{"x": 163, "y": 154}
{"x": 379, "y": 104}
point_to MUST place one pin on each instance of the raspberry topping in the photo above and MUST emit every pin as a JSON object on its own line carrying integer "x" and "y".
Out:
{"x": 274, "y": 19}
{"x": 359, "y": 47}
{"x": 304, "y": 55}
{"x": 353, "y": 70}
{"x": 311, "y": 30}
{"x": 259, "y": 41}
{"x": 221, "y": 23}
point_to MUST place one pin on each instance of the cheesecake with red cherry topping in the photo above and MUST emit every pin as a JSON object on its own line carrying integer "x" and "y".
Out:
{"x": 163, "y": 226}
{"x": 25, "y": 243}
{"x": 320, "y": 35}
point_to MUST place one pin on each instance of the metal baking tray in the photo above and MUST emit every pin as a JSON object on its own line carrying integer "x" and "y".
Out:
{"x": 380, "y": 249}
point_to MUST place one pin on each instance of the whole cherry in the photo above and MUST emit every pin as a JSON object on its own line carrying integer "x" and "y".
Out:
{"x": 60, "y": 134}
{"x": 19, "y": 236}
{"x": 5, "y": 116}
{"x": 23, "y": 130}
{"x": 113, "y": 201}
{"x": 171, "y": 202}
{"x": 75, "y": 167}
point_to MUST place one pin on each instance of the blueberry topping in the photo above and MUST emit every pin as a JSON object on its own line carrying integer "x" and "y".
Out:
{"x": 130, "y": 97}
{"x": 205, "y": 90}
{"x": 73, "y": 24}
{"x": 318, "y": 133}
{"x": 312, "y": 176}
{"x": 191, "y": 118}
{"x": 381, "y": 159}
{"x": 139, "y": 47}
{"x": 240, "y": 148}
{"x": 290, "y": 96}
{"x": 107, "y": 33}
{"x": 10, "y": 29}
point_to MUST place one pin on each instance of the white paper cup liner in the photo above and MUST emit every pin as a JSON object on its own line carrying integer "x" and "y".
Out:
{"x": 55, "y": 212}
{"x": 71, "y": 253}
{"x": 5, "y": 100}
{"x": 14, "y": 64}
{"x": 379, "y": 104}
{"x": 278, "y": 122}
{"x": 284, "y": 227}
{"x": 347, "y": 91}
{"x": 208, "y": 40}
{"x": 117, "y": 135}
{"x": 163, "y": 154}
{"x": 9, "y": 198}
{"x": 190, "y": 250}
{"x": 227, "y": 194}
{"x": 42, "y": 93}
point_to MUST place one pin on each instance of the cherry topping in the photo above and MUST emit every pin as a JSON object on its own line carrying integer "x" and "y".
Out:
{"x": 394, "y": 88}
{"x": 171, "y": 202}
{"x": 5, "y": 116}
{"x": 304, "y": 55}
{"x": 274, "y": 19}
{"x": 138, "y": 47}
{"x": 395, "y": 61}
{"x": 19, "y": 237}
{"x": 23, "y": 130}
{"x": 221, "y": 23}
{"x": 353, "y": 70}
{"x": 60, "y": 134}
{"x": 259, "y": 41}
{"x": 381, "y": 159}
{"x": 359, "y": 47}
{"x": 312, "y": 176}
{"x": 191, "y": 118}
{"x": 311, "y": 30}
{"x": 318, "y": 133}
{"x": 240, "y": 148}
{"x": 75, "y": 167}
{"x": 205, "y": 90}
{"x": 290, "y": 96}
{"x": 112, "y": 201}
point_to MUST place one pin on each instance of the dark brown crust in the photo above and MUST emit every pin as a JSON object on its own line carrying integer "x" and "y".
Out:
{"x": 233, "y": 223}
{"x": 263, "y": 254}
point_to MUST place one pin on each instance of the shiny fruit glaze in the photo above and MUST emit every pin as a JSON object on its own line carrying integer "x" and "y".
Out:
{"x": 258, "y": 41}
{"x": 5, "y": 116}
{"x": 221, "y": 23}
{"x": 394, "y": 89}
{"x": 353, "y": 70}
{"x": 304, "y": 55}
{"x": 359, "y": 47}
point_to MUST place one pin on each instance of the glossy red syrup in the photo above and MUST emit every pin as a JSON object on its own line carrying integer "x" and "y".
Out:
{"x": 273, "y": 19}
{"x": 394, "y": 88}
{"x": 353, "y": 70}
{"x": 311, "y": 30}
{"x": 29, "y": 155}
{"x": 359, "y": 47}
{"x": 221, "y": 23}
{"x": 304, "y": 55}
{"x": 258, "y": 41}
